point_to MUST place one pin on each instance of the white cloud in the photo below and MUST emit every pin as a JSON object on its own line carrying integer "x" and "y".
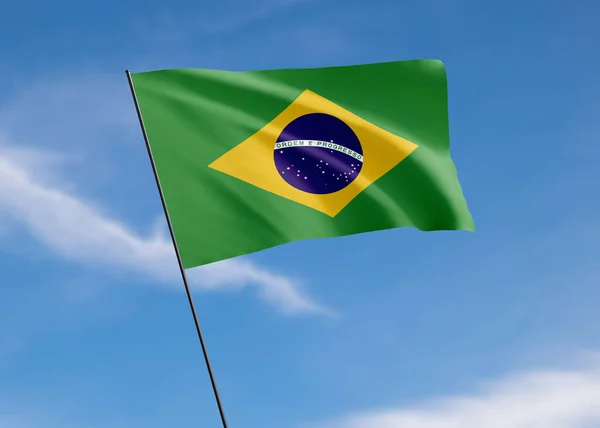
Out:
{"x": 322, "y": 42}
{"x": 36, "y": 417}
{"x": 12, "y": 421}
{"x": 539, "y": 399}
{"x": 167, "y": 27}
{"x": 62, "y": 110}
{"x": 79, "y": 231}
{"x": 89, "y": 115}
{"x": 254, "y": 13}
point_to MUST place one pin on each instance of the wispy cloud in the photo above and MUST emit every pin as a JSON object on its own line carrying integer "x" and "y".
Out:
{"x": 320, "y": 42}
{"x": 39, "y": 416}
{"x": 61, "y": 110}
{"x": 167, "y": 27}
{"x": 537, "y": 399}
{"x": 92, "y": 116}
{"x": 252, "y": 14}
{"x": 12, "y": 421}
{"x": 78, "y": 230}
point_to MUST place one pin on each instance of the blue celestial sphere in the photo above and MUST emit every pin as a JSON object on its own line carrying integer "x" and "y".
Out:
{"x": 318, "y": 153}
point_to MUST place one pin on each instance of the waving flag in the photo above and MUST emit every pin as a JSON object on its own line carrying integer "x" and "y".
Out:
{"x": 252, "y": 160}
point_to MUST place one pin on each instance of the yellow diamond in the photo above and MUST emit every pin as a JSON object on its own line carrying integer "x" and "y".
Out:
{"x": 252, "y": 160}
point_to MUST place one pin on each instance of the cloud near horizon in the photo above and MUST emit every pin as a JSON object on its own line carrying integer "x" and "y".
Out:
{"x": 534, "y": 399}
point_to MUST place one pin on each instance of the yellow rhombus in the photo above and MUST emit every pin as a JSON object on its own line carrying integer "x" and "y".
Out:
{"x": 252, "y": 160}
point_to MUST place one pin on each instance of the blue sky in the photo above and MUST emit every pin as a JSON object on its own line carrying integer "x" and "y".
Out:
{"x": 432, "y": 330}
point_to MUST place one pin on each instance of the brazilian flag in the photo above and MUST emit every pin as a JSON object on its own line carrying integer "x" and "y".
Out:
{"x": 252, "y": 160}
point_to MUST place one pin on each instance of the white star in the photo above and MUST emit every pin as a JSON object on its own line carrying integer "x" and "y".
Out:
{"x": 280, "y": 151}
{"x": 302, "y": 158}
{"x": 321, "y": 160}
{"x": 297, "y": 175}
{"x": 305, "y": 178}
{"x": 288, "y": 167}
{"x": 326, "y": 163}
{"x": 323, "y": 172}
{"x": 351, "y": 164}
{"x": 331, "y": 150}
{"x": 298, "y": 170}
{"x": 338, "y": 178}
{"x": 283, "y": 172}
{"x": 332, "y": 141}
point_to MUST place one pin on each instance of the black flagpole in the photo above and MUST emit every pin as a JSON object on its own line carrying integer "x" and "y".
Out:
{"x": 181, "y": 268}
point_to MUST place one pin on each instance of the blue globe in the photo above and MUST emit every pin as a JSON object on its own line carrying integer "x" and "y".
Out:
{"x": 318, "y": 153}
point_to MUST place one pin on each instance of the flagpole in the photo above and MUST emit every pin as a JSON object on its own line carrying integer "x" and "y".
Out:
{"x": 181, "y": 268}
